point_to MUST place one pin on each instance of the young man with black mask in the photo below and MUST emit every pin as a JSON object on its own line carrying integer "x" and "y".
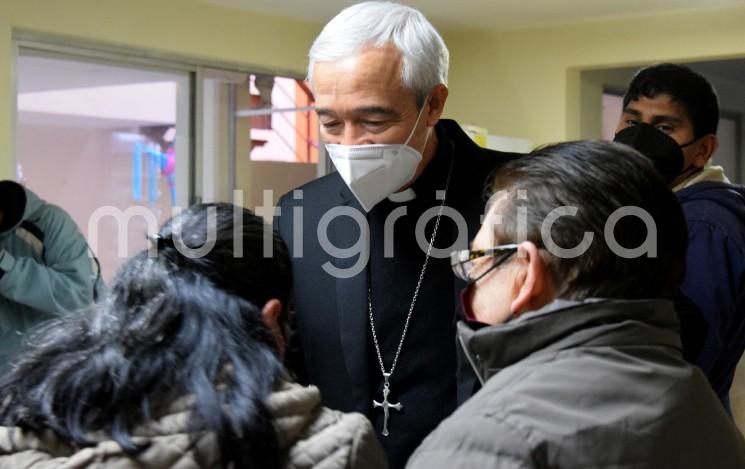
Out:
{"x": 671, "y": 114}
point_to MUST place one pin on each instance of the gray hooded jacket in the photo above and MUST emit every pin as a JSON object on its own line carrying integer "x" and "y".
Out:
{"x": 574, "y": 385}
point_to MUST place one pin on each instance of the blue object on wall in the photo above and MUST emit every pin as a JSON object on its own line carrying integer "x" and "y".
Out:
{"x": 158, "y": 164}
{"x": 137, "y": 172}
{"x": 153, "y": 166}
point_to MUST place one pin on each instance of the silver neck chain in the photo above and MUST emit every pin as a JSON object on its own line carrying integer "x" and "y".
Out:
{"x": 388, "y": 374}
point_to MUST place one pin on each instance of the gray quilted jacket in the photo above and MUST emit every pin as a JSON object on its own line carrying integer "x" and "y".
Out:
{"x": 598, "y": 384}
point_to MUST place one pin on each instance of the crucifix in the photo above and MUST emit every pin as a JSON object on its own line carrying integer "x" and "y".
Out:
{"x": 385, "y": 404}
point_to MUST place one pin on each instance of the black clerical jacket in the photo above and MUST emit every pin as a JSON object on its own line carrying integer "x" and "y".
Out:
{"x": 331, "y": 313}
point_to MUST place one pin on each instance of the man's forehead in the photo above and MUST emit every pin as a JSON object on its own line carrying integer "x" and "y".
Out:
{"x": 347, "y": 63}
{"x": 662, "y": 105}
{"x": 374, "y": 72}
{"x": 340, "y": 96}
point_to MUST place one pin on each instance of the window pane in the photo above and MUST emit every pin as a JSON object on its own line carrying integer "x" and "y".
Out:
{"x": 273, "y": 137}
{"x": 91, "y": 136}
{"x": 279, "y": 115}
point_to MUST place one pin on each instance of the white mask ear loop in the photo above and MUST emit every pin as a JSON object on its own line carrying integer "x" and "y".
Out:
{"x": 416, "y": 123}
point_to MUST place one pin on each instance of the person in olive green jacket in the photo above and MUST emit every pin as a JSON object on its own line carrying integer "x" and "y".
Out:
{"x": 46, "y": 268}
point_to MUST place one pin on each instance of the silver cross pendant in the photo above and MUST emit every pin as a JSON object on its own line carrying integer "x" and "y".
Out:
{"x": 385, "y": 404}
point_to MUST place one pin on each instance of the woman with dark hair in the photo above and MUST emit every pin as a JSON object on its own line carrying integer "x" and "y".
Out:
{"x": 180, "y": 367}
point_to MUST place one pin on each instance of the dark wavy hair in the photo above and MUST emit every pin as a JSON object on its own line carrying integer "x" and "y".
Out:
{"x": 173, "y": 325}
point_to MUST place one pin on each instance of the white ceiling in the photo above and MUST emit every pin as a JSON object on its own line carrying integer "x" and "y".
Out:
{"x": 490, "y": 14}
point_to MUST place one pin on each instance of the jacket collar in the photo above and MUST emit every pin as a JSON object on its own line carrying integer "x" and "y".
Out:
{"x": 709, "y": 173}
{"x": 563, "y": 325}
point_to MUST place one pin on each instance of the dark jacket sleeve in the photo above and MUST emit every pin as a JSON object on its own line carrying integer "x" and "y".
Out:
{"x": 693, "y": 326}
{"x": 294, "y": 356}
{"x": 717, "y": 286}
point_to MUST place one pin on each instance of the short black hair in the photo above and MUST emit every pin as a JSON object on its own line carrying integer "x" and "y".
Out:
{"x": 597, "y": 178}
{"x": 685, "y": 87}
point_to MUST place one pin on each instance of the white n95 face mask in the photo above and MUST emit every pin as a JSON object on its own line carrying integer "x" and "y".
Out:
{"x": 375, "y": 171}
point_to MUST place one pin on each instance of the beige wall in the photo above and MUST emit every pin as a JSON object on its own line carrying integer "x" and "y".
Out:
{"x": 279, "y": 177}
{"x": 527, "y": 83}
{"x": 182, "y": 27}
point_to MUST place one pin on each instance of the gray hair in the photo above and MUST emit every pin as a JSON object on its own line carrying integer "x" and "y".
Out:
{"x": 375, "y": 24}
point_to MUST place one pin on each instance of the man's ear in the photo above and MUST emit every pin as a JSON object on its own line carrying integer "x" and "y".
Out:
{"x": 533, "y": 284}
{"x": 270, "y": 315}
{"x": 705, "y": 149}
{"x": 436, "y": 104}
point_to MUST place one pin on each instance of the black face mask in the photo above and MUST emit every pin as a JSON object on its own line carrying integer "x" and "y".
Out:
{"x": 663, "y": 150}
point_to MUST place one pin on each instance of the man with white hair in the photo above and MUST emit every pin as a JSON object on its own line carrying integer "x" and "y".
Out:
{"x": 374, "y": 299}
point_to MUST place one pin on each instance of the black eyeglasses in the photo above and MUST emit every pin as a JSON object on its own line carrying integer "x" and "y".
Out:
{"x": 466, "y": 269}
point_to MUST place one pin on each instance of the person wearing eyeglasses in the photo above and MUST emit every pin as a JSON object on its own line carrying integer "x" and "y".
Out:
{"x": 580, "y": 360}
